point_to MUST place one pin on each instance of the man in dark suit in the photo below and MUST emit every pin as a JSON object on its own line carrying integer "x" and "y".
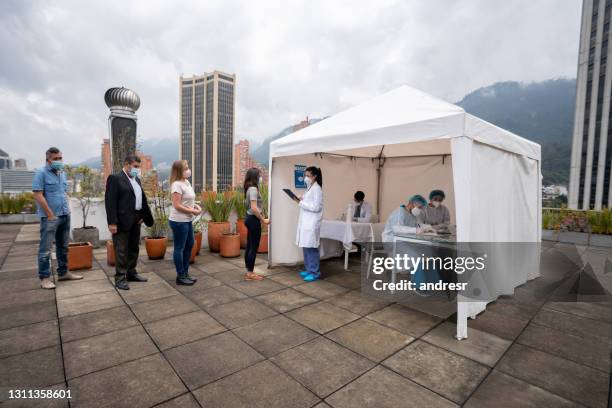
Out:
{"x": 126, "y": 209}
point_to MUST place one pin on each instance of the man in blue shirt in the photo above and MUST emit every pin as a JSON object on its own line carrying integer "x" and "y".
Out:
{"x": 49, "y": 187}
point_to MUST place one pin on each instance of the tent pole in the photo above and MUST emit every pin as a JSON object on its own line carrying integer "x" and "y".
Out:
{"x": 381, "y": 163}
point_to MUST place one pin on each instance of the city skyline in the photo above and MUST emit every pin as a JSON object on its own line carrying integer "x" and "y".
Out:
{"x": 291, "y": 61}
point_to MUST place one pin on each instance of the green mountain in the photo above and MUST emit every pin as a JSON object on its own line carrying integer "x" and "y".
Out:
{"x": 262, "y": 152}
{"x": 538, "y": 111}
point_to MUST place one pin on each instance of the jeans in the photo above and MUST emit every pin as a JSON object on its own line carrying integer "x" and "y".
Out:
{"x": 311, "y": 261}
{"x": 126, "y": 243}
{"x": 253, "y": 237}
{"x": 183, "y": 244}
{"x": 57, "y": 229}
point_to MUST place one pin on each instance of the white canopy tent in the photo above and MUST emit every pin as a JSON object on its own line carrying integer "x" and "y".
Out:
{"x": 407, "y": 142}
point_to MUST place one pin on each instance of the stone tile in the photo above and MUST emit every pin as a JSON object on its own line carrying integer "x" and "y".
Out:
{"x": 502, "y": 391}
{"x": 346, "y": 279}
{"x": 141, "y": 383}
{"x": 274, "y": 335}
{"x": 263, "y": 385}
{"x": 441, "y": 309}
{"x": 322, "y": 316}
{"x": 38, "y": 368}
{"x": 184, "y": 401}
{"x": 286, "y": 300}
{"x": 592, "y": 310}
{"x": 370, "y": 339}
{"x": 405, "y": 320}
{"x": 26, "y": 297}
{"x": 446, "y": 373}
{"x": 573, "y": 324}
{"x": 181, "y": 329}
{"x": 502, "y": 326}
{"x": 106, "y": 350}
{"x": 230, "y": 276}
{"x": 515, "y": 309}
{"x": 40, "y": 402}
{"x": 32, "y": 337}
{"x": 81, "y": 288}
{"x": 321, "y": 289}
{"x": 163, "y": 308}
{"x": 19, "y": 285}
{"x": 204, "y": 282}
{"x": 479, "y": 346}
{"x": 209, "y": 359}
{"x": 587, "y": 386}
{"x": 291, "y": 278}
{"x": 96, "y": 323}
{"x": 22, "y": 315}
{"x": 240, "y": 313}
{"x": 357, "y": 302}
{"x": 216, "y": 267}
{"x": 143, "y": 292}
{"x": 20, "y": 274}
{"x": 88, "y": 275}
{"x": 591, "y": 351}
{"x": 88, "y": 303}
{"x": 215, "y": 296}
{"x": 382, "y": 388}
{"x": 261, "y": 268}
{"x": 254, "y": 288}
{"x": 322, "y": 365}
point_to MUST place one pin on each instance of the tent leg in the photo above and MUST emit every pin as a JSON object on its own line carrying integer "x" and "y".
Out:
{"x": 346, "y": 258}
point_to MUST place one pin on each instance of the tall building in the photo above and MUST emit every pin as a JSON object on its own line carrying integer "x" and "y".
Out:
{"x": 15, "y": 181}
{"x": 5, "y": 160}
{"x": 206, "y": 119}
{"x": 590, "y": 180}
{"x": 146, "y": 162}
{"x": 20, "y": 164}
{"x": 244, "y": 161}
{"x": 107, "y": 165}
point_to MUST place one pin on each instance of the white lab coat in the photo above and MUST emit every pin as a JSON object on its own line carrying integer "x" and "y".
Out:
{"x": 365, "y": 213}
{"x": 309, "y": 221}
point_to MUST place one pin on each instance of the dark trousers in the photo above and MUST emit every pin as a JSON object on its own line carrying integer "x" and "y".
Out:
{"x": 126, "y": 251}
{"x": 253, "y": 237}
{"x": 182, "y": 235}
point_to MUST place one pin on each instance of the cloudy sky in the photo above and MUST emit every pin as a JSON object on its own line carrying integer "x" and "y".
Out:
{"x": 291, "y": 58}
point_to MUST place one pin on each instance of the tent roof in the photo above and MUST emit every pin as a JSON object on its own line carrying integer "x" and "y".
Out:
{"x": 403, "y": 115}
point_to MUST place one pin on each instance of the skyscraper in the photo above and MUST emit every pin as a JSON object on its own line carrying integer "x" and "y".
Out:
{"x": 107, "y": 165}
{"x": 206, "y": 115}
{"x": 244, "y": 161}
{"x": 592, "y": 140}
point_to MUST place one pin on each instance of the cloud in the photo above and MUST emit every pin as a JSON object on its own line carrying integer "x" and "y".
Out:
{"x": 291, "y": 59}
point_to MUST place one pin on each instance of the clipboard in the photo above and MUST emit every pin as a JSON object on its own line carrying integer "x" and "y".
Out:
{"x": 291, "y": 194}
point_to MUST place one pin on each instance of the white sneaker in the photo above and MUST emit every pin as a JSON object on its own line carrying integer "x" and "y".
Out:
{"x": 47, "y": 283}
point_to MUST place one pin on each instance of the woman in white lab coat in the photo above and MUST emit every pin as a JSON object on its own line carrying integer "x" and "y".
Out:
{"x": 309, "y": 223}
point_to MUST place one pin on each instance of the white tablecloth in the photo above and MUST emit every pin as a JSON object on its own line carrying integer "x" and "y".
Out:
{"x": 347, "y": 233}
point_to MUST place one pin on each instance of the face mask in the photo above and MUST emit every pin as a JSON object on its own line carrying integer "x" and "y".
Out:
{"x": 187, "y": 173}
{"x": 135, "y": 172}
{"x": 308, "y": 181}
{"x": 57, "y": 165}
{"x": 436, "y": 204}
{"x": 416, "y": 211}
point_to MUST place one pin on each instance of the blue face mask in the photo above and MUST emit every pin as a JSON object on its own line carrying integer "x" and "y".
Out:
{"x": 134, "y": 172}
{"x": 57, "y": 165}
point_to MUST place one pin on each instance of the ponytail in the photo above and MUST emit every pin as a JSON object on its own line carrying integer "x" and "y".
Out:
{"x": 316, "y": 171}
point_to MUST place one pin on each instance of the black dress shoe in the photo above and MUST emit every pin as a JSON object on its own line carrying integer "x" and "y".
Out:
{"x": 123, "y": 285}
{"x": 136, "y": 278}
{"x": 184, "y": 281}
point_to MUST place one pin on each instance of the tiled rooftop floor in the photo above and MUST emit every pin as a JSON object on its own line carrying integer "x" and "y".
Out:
{"x": 284, "y": 343}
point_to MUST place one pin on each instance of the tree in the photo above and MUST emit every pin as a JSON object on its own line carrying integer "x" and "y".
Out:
{"x": 90, "y": 187}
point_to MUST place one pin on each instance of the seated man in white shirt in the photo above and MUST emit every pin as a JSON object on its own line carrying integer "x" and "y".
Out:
{"x": 363, "y": 211}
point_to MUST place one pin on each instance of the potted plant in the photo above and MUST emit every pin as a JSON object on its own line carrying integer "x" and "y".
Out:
{"x": 90, "y": 188}
{"x": 80, "y": 255}
{"x": 229, "y": 246}
{"x": 198, "y": 226}
{"x": 241, "y": 208}
{"x": 156, "y": 240}
{"x": 263, "y": 242}
{"x": 218, "y": 207}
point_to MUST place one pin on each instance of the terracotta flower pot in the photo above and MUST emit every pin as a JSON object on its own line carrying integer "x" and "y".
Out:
{"x": 230, "y": 245}
{"x": 156, "y": 247}
{"x": 110, "y": 253}
{"x": 198, "y": 241}
{"x": 243, "y": 231}
{"x": 80, "y": 255}
{"x": 263, "y": 243}
{"x": 215, "y": 231}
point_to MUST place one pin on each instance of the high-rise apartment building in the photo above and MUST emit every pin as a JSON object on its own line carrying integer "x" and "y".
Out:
{"x": 20, "y": 164}
{"x": 206, "y": 114}
{"x": 244, "y": 161}
{"x": 107, "y": 165}
{"x": 146, "y": 162}
{"x": 590, "y": 180}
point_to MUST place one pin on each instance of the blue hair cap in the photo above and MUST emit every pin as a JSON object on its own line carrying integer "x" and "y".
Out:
{"x": 418, "y": 199}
